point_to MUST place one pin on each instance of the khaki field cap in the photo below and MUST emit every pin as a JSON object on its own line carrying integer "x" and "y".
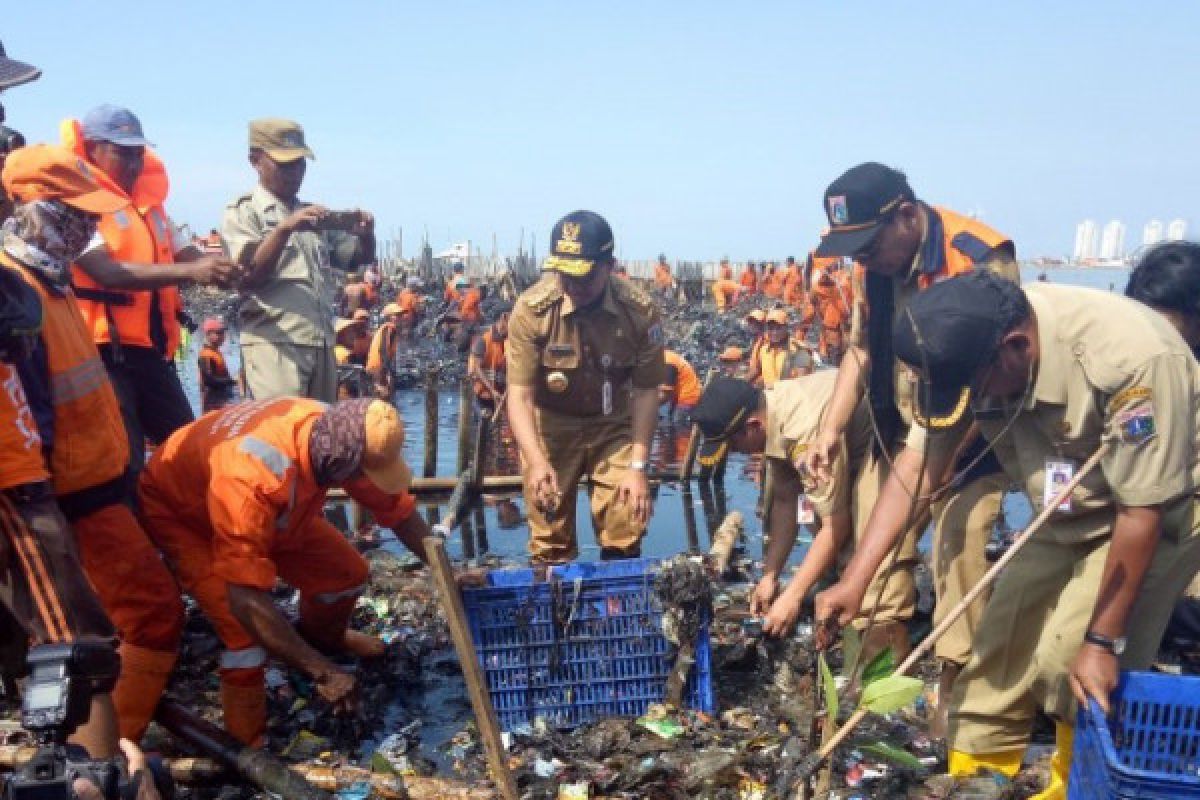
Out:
{"x": 281, "y": 139}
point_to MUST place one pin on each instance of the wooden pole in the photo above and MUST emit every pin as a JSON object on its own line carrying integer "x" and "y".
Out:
{"x": 465, "y": 407}
{"x": 481, "y": 701}
{"x": 813, "y": 761}
{"x": 689, "y": 518}
{"x": 431, "y": 423}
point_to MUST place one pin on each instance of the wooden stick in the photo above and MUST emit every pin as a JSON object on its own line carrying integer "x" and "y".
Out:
{"x": 431, "y": 423}
{"x": 952, "y": 616}
{"x": 481, "y": 701}
{"x": 465, "y": 407}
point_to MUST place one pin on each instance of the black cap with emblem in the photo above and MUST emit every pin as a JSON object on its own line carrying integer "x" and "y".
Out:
{"x": 954, "y": 330}
{"x": 578, "y": 242}
{"x": 858, "y": 203}
{"x": 721, "y": 413}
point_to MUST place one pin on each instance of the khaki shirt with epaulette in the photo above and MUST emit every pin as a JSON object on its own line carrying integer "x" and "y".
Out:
{"x": 567, "y": 354}
{"x": 294, "y": 304}
{"x": 1109, "y": 370}
{"x": 795, "y": 410}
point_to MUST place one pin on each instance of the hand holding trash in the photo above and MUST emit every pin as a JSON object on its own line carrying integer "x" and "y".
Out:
{"x": 339, "y": 689}
{"x": 836, "y": 607}
{"x": 544, "y": 483}
{"x": 764, "y": 595}
{"x": 780, "y": 620}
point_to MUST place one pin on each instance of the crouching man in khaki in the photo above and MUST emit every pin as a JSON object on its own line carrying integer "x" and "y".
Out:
{"x": 1052, "y": 373}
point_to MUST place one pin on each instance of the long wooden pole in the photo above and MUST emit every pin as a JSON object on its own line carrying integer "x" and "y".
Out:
{"x": 431, "y": 423}
{"x": 814, "y": 760}
{"x": 481, "y": 701}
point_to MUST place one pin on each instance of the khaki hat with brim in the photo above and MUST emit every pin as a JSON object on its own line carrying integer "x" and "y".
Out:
{"x": 341, "y": 324}
{"x": 392, "y": 308}
{"x": 383, "y": 459}
{"x": 51, "y": 172}
{"x": 281, "y": 139}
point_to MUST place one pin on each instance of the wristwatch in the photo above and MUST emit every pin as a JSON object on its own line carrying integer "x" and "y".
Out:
{"x": 640, "y": 466}
{"x": 1114, "y": 646}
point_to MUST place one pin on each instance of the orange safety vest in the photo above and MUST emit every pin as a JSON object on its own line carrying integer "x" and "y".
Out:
{"x": 140, "y": 233}
{"x": 382, "y": 354}
{"x": 89, "y": 447}
{"x": 954, "y": 244}
{"x": 725, "y": 292}
{"x": 408, "y": 300}
{"x": 687, "y": 385}
{"x": 451, "y": 294}
{"x": 793, "y": 287}
{"x": 662, "y": 277}
{"x": 21, "y": 459}
{"x": 491, "y": 364}
{"x": 772, "y": 284}
{"x": 781, "y": 363}
{"x": 468, "y": 307}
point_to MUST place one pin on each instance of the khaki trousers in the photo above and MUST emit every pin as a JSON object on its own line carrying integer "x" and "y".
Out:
{"x": 598, "y": 447}
{"x": 963, "y": 524}
{"x": 1034, "y": 624}
{"x": 896, "y": 594}
{"x": 290, "y": 370}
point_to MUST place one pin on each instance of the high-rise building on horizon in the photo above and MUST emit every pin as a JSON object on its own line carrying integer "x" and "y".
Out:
{"x": 1085, "y": 240}
{"x": 1177, "y": 230}
{"x": 1112, "y": 241}
{"x": 1152, "y": 233}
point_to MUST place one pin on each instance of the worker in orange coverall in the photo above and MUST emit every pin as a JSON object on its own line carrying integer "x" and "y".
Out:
{"x": 266, "y": 467}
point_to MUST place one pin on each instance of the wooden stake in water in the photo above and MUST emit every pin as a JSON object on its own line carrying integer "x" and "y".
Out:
{"x": 481, "y": 701}
{"x": 431, "y": 423}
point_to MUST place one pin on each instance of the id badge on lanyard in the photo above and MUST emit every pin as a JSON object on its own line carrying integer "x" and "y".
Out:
{"x": 1058, "y": 473}
{"x": 805, "y": 513}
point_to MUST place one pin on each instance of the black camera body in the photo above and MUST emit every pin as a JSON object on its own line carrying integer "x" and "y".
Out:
{"x": 57, "y": 700}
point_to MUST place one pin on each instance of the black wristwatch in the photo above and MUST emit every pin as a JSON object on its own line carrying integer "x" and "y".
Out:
{"x": 1114, "y": 646}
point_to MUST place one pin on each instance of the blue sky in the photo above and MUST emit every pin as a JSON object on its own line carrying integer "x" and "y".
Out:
{"x": 699, "y": 129}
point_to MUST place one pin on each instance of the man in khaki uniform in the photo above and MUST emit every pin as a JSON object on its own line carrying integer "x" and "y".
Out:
{"x": 906, "y": 245}
{"x": 584, "y": 361}
{"x": 1052, "y": 372}
{"x": 285, "y": 319}
{"x": 781, "y": 422}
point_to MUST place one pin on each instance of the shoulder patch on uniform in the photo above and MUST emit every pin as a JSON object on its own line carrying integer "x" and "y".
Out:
{"x": 1136, "y": 424}
{"x": 543, "y": 294}
{"x": 627, "y": 290}
{"x": 1128, "y": 397}
{"x": 971, "y": 246}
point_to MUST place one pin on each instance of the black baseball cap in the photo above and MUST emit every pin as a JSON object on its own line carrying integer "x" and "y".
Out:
{"x": 14, "y": 73}
{"x": 721, "y": 413}
{"x": 953, "y": 332}
{"x": 578, "y": 241}
{"x": 858, "y": 203}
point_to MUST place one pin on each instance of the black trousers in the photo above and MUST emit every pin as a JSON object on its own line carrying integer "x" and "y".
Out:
{"x": 153, "y": 404}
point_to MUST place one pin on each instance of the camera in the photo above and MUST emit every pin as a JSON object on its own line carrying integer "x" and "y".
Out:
{"x": 57, "y": 700}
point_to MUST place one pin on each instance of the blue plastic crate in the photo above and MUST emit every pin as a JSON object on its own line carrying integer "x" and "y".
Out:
{"x": 1149, "y": 749}
{"x": 583, "y": 644}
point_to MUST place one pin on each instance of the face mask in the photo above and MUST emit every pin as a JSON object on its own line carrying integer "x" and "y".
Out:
{"x": 46, "y": 236}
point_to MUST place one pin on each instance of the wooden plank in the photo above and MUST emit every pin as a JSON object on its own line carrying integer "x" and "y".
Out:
{"x": 481, "y": 701}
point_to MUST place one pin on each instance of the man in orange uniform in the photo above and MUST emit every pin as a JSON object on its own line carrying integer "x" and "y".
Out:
{"x": 748, "y": 279}
{"x": 724, "y": 271}
{"x": 360, "y": 347}
{"x": 409, "y": 301}
{"x": 725, "y": 292}
{"x": 905, "y": 246}
{"x": 125, "y": 281}
{"x": 216, "y": 384}
{"x": 381, "y": 359}
{"x": 235, "y": 502}
{"x": 772, "y": 281}
{"x": 469, "y": 309}
{"x": 680, "y": 389}
{"x": 831, "y": 306}
{"x": 486, "y": 365}
{"x": 454, "y": 287}
{"x": 793, "y": 284}
{"x": 780, "y": 358}
{"x": 664, "y": 281}
{"x": 79, "y": 418}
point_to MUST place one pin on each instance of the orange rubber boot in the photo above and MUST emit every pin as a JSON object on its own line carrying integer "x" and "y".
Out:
{"x": 144, "y": 675}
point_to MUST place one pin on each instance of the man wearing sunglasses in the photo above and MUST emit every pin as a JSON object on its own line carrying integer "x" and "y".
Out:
{"x": 904, "y": 246}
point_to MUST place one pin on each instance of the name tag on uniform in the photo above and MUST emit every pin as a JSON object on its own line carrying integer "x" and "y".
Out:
{"x": 805, "y": 513}
{"x": 1056, "y": 477}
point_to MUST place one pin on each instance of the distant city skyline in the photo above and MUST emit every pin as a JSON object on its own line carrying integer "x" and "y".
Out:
{"x": 1109, "y": 243}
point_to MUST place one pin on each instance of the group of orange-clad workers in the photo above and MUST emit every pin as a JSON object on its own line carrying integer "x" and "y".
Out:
{"x": 99, "y": 543}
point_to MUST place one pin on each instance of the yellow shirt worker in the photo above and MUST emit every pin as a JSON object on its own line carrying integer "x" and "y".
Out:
{"x": 584, "y": 362}
{"x": 1051, "y": 373}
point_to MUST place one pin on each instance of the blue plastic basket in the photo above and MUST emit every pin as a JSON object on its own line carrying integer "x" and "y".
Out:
{"x": 1149, "y": 749}
{"x": 583, "y": 644}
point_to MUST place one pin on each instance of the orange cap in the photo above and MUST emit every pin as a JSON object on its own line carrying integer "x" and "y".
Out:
{"x": 731, "y": 353}
{"x": 361, "y": 313}
{"x": 50, "y": 172}
{"x": 383, "y": 461}
{"x": 778, "y": 315}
